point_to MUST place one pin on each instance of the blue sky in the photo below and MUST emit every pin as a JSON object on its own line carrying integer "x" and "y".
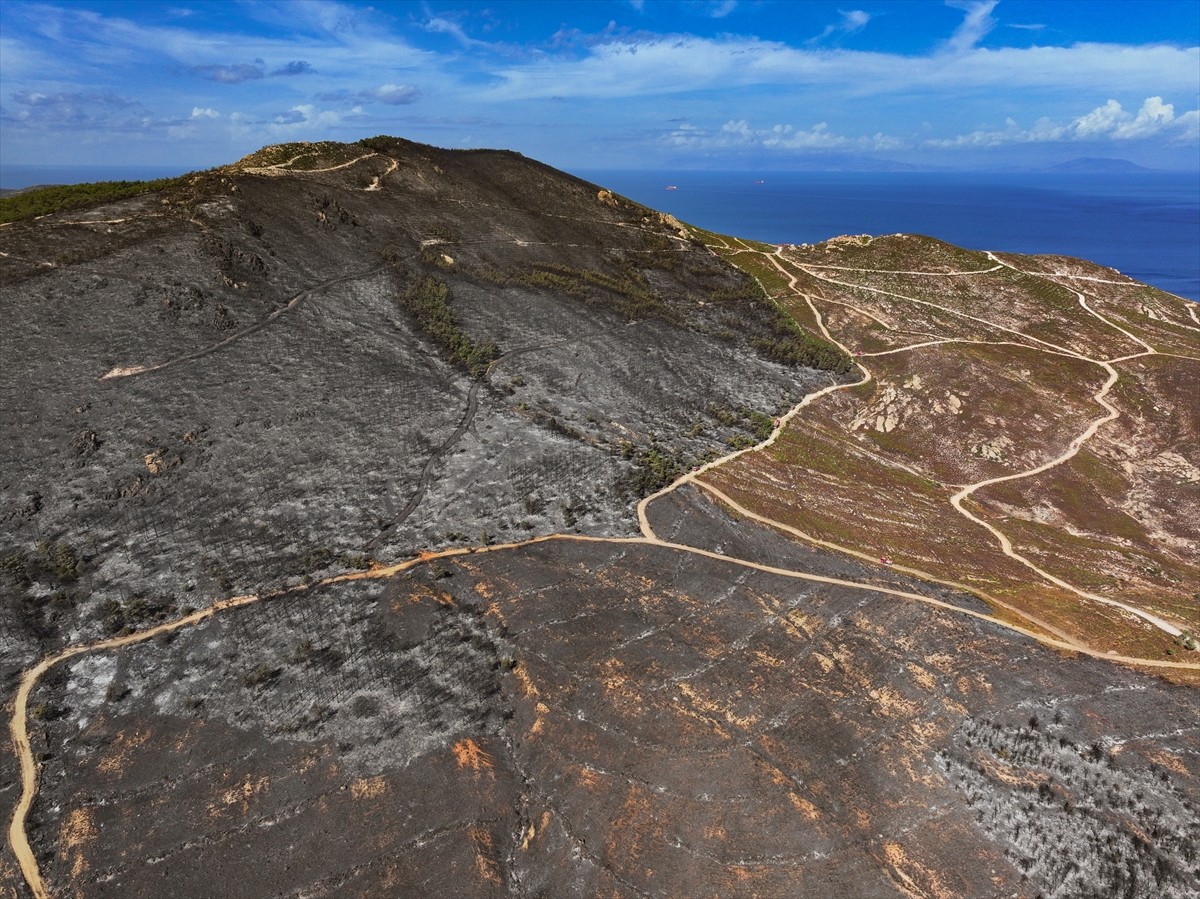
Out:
{"x": 631, "y": 84}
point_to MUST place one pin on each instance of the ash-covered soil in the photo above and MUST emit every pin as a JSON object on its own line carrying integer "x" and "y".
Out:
{"x": 282, "y": 371}
{"x": 582, "y": 718}
{"x": 295, "y": 414}
{"x": 692, "y": 517}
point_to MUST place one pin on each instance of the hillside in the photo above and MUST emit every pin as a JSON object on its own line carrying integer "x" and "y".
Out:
{"x": 1038, "y": 402}
{"x": 387, "y": 520}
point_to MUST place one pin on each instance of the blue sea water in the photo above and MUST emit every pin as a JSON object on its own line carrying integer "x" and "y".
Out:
{"x": 1146, "y": 225}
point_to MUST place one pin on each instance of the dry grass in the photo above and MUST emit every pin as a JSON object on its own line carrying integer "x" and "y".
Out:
{"x": 872, "y": 468}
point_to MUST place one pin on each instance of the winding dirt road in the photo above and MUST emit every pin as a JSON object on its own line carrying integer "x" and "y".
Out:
{"x": 19, "y": 719}
{"x": 957, "y": 500}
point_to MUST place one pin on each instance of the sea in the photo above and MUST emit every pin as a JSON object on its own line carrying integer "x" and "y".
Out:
{"x": 1146, "y": 225}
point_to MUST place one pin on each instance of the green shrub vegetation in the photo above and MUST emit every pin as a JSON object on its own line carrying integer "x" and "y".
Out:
{"x": 790, "y": 344}
{"x": 626, "y": 291}
{"x": 65, "y": 197}
{"x": 50, "y": 561}
{"x": 126, "y": 616}
{"x": 786, "y": 342}
{"x": 755, "y": 426}
{"x": 390, "y": 146}
{"x": 761, "y": 426}
{"x": 656, "y": 467}
{"x": 660, "y": 251}
{"x": 426, "y": 301}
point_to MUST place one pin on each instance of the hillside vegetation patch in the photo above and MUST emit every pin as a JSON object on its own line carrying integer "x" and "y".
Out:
{"x": 66, "y": 197}
{"x": 426, "y": 301}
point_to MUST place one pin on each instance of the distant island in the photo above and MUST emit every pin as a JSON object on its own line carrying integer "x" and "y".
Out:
{"x": 1090, "y": 165}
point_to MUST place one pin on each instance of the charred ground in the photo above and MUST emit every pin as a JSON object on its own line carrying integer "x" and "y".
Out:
{"x": 277, "y": 376}
{"x": 518, "y": 350}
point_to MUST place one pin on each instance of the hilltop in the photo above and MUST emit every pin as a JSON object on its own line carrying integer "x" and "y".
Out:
{"x": 387, "y": 519}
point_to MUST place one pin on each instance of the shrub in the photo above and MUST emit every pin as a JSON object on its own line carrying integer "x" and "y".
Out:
{"x": 358, "y": 561}
{"x": 656, "y": 468}
{"x": 65, "y": 197}
{"x": 426, "y": 301}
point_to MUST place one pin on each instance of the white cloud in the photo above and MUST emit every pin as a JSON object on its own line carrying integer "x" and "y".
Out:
{"x": 62, "y": 65}
{"x": 441, "y": 25}
{"x": 1188, "y": 125}
{"x": 975, "y": 26}
{"x": 852, "y": 21}
{"x": 721, "y": 8}
{"x": 740, "y": 134}
{"x": 347, "y": 40}
{"x": 1108, "y": 122}
{"x": 393, "y": 94}
{"x": 1153, "y": 117}
{"x": 1100, "y": 120}
{"x": 639, "y": 66}
{"x": 308, "y": 115}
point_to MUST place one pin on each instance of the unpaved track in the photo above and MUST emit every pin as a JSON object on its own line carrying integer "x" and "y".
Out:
{"x": 18, "y": 723}
{"x": 958, "y": 498}
{"x": 377, "y": 182}
{"x": 464, "y": 425}
{"x": 282, "y": 168}
{"x": 135, "y": 370}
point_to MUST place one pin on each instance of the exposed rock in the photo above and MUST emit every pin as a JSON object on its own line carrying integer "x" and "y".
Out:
{"x": 995, "y": 450}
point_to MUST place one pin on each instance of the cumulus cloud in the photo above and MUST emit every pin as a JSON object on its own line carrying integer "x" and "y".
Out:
{"x": 1108, "y": 122}
{"x": 204, "y": 112}
{"x": 1153, "y": 117}
{"x": 1188, "y": 125}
